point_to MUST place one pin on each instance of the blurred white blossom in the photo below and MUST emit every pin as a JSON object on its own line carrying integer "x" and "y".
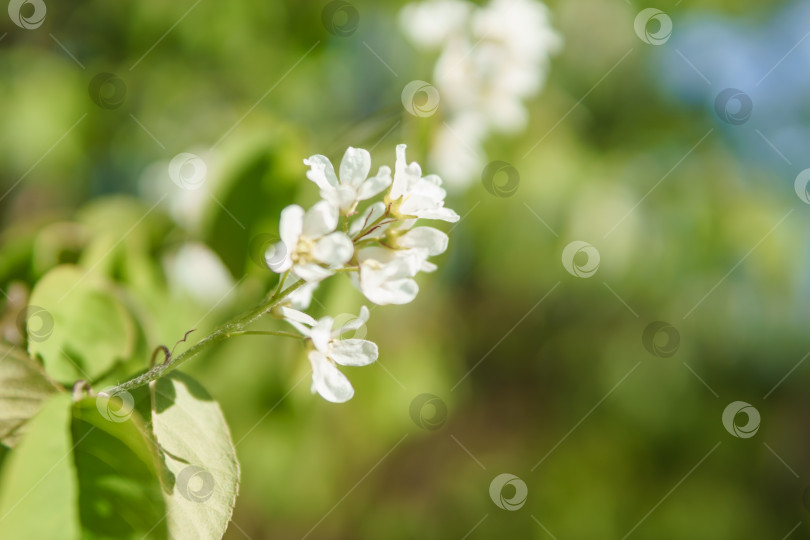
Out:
{"x": 492, "y": 58}
{"x": 189, "y": 208}
{"x": 198, "y": 271}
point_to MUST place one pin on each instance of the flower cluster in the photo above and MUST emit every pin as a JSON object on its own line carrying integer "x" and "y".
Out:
{"x": 380, "y": 247}
{"x": 492, "y": 58}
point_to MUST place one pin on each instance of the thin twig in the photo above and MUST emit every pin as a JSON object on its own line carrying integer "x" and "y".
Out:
{"x": 265, "y": 333}
{"x": 221, "y": 333}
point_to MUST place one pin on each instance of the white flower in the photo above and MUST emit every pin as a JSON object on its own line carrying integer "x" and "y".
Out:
{"x": 429, "y": 24}
{"x": 457, "y": 150}
{"x": 329, "y": 349}
{"x": 419, "y": 243}
{"x": 431, "y": 241}
{"x": 309, "y": 244}
{"x": 514, "y": 41}
{"x": 354, "y": 184}
{"x": 415, "y": 195}
{"x": 391, "y": 250}
{"x": 385, "y": 275}
{"x": 492, "y": 59}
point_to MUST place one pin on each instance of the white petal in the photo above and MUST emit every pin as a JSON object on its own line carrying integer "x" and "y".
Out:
{"x": 433, "y": 240}
{"x": 319, "y": 220}
{"x": 330, "y": 383}
{"x": 354, "y": 166}
{"x": 390, "y": 264}
{"x": 400, "y": 291}
{"x": 405, "y": 174}
{"x": 322, "y": 333}
{"x": 434, "y": 180}
{"x": 301, "y": 321}
{"x": 400, "y": 150}
{"x": 334, "y": 249}
{"x": 431, "y": 191}
{"x": 444, "y": 214}
{"x": 344, "y": 197}
{"x": 353, "y": 352}
{"x": 407, "y": 263}
{"x": 375, "y": 184}
{"x": 321, "y": 171}
{"x": 301, "y": 297}
{"x": 278, "y": 257}
{"x": 290, "y": 226}
{"x": 353, "y": 324}
{"x": 298, "y": 316}
{"x": 331, "y": 196}
{"x": 381, "y": 284}
{"x": 311, "y": 272}
{"x": 426, "y": 208}
{"x": 428, "y": 266}
{"x": 302, "y": 329}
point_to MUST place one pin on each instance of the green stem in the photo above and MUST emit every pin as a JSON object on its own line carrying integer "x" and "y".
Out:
{"x": 281, "y": 281}
{"x": 222, "y": 332}
{"x": 266, "y": 333}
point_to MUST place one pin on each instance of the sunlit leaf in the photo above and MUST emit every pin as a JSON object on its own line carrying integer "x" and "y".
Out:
{"x": 203, "y": 474}
{"x": 77, "y": 325}
{"x": 38, "y": 487}
{"x": 23, "y": 389}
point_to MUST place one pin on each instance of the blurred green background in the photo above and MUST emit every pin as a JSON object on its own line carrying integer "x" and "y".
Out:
{"x": 608, "y": 437}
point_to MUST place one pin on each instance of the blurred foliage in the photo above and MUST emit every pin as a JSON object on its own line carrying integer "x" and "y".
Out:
{"x": 691, "y": 234}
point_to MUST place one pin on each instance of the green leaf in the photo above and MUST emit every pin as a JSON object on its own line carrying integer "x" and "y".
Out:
{"x": 120, "y": 495}
{"x": 23, "y": 389}
{"x": 82, "y": 329}
{"x": 203, "y": 474}
{"x": 38, "y": 487}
